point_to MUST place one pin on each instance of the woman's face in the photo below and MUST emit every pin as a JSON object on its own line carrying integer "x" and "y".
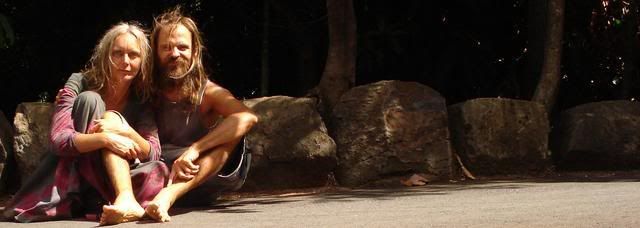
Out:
{"x": 125, "y": 58}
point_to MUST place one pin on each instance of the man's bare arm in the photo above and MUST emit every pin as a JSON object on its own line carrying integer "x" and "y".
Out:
{"x": 237, "y": 122}
{"x": 238, "y": 119}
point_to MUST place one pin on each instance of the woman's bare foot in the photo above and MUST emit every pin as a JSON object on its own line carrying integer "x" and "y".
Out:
{"x": 121, "y": 213}
{"x": 158, "y": 211}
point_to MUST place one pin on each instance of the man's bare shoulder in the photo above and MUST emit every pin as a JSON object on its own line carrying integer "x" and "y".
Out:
{"x": 221, "y": 101}
{"x": 213, "y": 90}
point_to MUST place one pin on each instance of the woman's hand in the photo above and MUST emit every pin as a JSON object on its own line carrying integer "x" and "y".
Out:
{"x": 112, "y": 125}
{"x": 122, "y": 146}
{"x": 184, "y": 167}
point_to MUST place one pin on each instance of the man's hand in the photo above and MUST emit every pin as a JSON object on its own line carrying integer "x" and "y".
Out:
{"x": 184, "y": 167}
{"x": 122, "y": 146}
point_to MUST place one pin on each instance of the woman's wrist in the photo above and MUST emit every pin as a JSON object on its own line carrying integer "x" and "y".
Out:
{"x": 194, "y": 147}
{"x": 102, "y": 138}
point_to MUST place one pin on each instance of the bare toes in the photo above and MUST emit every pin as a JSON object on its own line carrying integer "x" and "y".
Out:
{"x": 158, "y": 213}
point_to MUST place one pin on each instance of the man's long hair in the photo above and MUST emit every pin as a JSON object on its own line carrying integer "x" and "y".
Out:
{"x": 196, "y": 76}
{"x": 97, "y": 71}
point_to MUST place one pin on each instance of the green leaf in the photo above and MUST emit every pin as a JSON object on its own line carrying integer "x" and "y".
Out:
{"x": 617, "y": 23}
{"x": 7, "y": 37}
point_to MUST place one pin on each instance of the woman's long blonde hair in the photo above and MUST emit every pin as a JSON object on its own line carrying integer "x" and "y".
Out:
{"x": 97, "y": 71}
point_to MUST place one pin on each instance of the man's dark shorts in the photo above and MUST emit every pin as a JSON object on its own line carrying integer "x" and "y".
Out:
{"x": 231, "y": 176}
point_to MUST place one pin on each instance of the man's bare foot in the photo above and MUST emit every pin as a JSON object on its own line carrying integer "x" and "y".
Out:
{"x": 158, "y": 211}
{"x": 116, "y": 214}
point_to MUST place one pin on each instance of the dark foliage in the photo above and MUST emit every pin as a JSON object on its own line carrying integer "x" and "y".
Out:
{"x": 464, "y": 49}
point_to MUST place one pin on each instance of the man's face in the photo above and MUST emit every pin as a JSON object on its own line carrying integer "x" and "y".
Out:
{"x": 174, "y": 51}
{"x": 125, "y": 57}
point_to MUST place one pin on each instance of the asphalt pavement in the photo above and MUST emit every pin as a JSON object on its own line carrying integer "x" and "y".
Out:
{"x": 609, "y": 202}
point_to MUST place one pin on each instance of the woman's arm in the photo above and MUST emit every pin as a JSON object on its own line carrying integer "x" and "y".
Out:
{"x": 67, "y": 141}
{"x": 145, "y": 134}
{"x": 63, "y": 133}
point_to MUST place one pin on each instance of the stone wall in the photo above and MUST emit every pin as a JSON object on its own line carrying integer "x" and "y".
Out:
{"x": 31, "y": 141}
{"x": 501, "y": 136}
{"x": 290, "y": 146}
{"x": 600, "y": 135}
{"x": 390, "y": 128}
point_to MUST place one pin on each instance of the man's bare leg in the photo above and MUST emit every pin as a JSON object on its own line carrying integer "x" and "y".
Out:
{"x": 210, "y": 164}
{"x": 125, "y": 208}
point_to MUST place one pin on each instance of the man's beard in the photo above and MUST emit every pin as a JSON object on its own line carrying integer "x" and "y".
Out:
{"x": 178, "y": 70}
{"x": 173, "y": 76}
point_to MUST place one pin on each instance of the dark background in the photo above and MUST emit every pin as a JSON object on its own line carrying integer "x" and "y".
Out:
{"x": 463, "y": 49}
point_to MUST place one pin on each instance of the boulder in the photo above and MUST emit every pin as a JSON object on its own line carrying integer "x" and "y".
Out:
{"x": 290, "y": 146}
{"x": 31, "y": 141}
{"x": 501, "y": 136}
{"x": 390, "y": 129}
{"x": 6, "y": 147}
{"x": 598, "y": 136}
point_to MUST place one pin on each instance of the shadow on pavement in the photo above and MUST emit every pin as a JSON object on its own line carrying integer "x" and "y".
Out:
{"x": 333, "y": 194}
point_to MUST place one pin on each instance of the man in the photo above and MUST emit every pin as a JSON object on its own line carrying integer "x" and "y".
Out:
{"x": 196, "y": 144}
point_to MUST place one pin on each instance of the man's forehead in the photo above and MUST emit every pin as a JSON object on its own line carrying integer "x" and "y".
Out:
{"x": 174, "y": 30}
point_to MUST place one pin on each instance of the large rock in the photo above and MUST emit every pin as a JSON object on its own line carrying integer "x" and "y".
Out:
{"x": 6, "y": 147}
{"x": 501, "y": 136}
{"x": 290, "y": 146}
{"x": 595, "y": 136}
{"x": 389, "y": 129}
{"x": 32, "y": 123}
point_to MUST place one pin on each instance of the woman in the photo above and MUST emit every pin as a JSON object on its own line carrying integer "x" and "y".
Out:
{"x": 97, "y": 152}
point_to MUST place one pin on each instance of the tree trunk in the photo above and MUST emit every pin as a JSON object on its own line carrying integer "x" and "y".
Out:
{"x": 339, "y": 69}
{"x": 264, "y": 76}
{"x": 536, "y": 25}
{"x": 307, "y": 66}
{"x": 629, "y": 52}
{"x": 7, "y": 38}
{"x": 547, "y": 89}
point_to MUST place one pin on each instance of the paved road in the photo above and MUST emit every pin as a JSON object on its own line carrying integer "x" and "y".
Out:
{"x": 534, "y": 203}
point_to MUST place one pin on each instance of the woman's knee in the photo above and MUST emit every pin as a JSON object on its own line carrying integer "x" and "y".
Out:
{"x": 87, "y": 107}
{"x": 112, "y": 115}
{"x": 88, "y": 100}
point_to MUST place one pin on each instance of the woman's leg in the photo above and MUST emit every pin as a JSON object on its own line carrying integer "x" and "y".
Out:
{"x": 117, "y": 189}
{"x": 87, "y": 107}
{"x": 125, "y": 208}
